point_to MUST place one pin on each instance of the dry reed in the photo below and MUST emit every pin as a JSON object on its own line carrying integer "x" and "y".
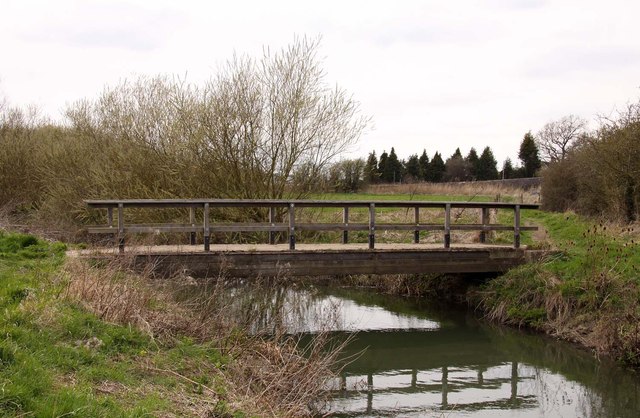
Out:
{"x": 496, "y": 190}
{"x": 278, "y": 375}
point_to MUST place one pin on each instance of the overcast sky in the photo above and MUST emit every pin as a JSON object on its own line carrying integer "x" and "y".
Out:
{"x": 431, "y": 74}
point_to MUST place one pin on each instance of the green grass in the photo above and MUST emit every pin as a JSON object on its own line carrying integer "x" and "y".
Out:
{"x": 57, "y": 359}
{"x": 589, "y": 290}
{"x": 418, "y": 197}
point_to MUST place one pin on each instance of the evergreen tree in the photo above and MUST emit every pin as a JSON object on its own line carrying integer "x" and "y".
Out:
{"x": 412, "y": 168}
{"x": 436, "y": 168}
{"x": 487, "y": 165}
{"x": 507, "y": 169}
{"x": 456, "y": 168}
{"x": 371, "y": 175}
{"x": 472, "y": 162}
{"x": 529, "y": 155}
{"x": 424, "y": 165}
{"x": 392, "y": 170}
{"x": 382, "y": 162}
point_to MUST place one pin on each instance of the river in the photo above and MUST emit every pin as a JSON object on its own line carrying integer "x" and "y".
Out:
{"x": 412, "y": 358}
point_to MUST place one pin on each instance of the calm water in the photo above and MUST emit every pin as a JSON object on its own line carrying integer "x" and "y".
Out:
{"x": 414, "y": 360}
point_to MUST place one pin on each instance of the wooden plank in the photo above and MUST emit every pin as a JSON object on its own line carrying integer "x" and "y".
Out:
{"x": 305, "y": 263}
{"x": 248, "y": 227}
{"x": 331, "y": 227}
{"x": 149, "y": 229}
{"x": 175, "y": 203}
{"x": 480, "y": 227}
{"x": 261, "y": 227}
{"x": 102, "y": 230}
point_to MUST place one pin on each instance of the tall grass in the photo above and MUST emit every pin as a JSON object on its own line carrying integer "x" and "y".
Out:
{"x": 589, "y": 292}
{"x": 103, "y": 340}
{"x": 273, "y": 374}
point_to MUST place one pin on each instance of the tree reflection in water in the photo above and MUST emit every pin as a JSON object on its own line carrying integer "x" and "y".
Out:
{"x": 410, "y": 358}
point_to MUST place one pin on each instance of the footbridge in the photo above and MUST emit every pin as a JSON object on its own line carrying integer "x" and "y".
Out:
{"x": 245, "y": 238}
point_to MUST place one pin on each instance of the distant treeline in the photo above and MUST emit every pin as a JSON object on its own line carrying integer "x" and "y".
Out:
{"x": 351, "y": 175}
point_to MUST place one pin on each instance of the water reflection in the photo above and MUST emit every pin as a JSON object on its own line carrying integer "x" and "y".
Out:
{"x": 454, "y": 365}
{"x": 413, "y": 359}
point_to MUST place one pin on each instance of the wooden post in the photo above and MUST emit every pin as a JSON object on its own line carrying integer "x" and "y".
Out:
{"x": 110, "y": 225}
{"x": 207, "y": 231}
{"x": 372, "y": 226}
{"x": 445, "y": 387}
{"x": 416, "y": 233}
{"x": 514, "y": 381}
{"x": 292, "y": 226}
{"x": 120, "y": 228}
{"x": 447, "y": 225}
{"x": 485, "y": 222}
{"x": 345, "y": 220}
{"x": 516, "y": 226}
{"x": 192, "y": 219}
{"x": 272, "y": 221}
{"x": 369, "y": 393}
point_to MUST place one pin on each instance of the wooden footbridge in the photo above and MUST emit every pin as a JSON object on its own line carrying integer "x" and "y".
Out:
{"x": 284, "y": 252}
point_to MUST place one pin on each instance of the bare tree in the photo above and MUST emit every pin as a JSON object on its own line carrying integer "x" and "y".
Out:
{"x": 556, "y": 138}
{"x": 264, "y": 120}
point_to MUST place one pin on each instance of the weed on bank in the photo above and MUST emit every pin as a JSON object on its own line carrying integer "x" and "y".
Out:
{"x": 588, "y": 291}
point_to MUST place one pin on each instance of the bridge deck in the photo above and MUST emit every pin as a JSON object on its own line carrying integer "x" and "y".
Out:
{"x": 315, "y": 247}
{"x": 251, "y": 260}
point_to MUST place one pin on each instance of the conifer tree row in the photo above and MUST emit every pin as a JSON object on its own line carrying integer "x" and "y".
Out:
{"x": 390, "y": 169}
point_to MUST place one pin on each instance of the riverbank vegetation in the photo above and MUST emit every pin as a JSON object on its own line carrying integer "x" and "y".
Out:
{"x": 594, "y": 173}
{"x": 588, "y": 292}
{"x": 103, "y": 341}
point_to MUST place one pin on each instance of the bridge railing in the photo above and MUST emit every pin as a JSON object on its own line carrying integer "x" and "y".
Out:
{"x": 120, "y": 229}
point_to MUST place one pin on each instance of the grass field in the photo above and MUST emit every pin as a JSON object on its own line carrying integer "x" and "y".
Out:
{"x": 99, "y": 341}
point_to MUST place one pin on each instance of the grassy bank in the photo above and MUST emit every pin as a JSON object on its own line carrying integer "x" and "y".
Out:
{"x": 588, "y": 293}
{"x": 80, "y": 340}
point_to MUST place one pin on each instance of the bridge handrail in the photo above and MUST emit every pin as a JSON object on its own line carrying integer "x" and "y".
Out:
{"x": 272, "y": 227}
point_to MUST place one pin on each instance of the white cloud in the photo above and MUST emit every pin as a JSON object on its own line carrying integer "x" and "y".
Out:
{"x": 433, "y": 74}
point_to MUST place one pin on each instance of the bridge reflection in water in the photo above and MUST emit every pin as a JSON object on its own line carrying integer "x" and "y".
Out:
{"x": 480, "y": 388}
{"x": 450, "y": 364}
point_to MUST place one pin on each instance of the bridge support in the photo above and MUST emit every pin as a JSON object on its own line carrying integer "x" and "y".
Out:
{"x": 120, "y": 228}
{"x": 372, "y": 226}
{"x": 292, "y": 227}
{"x": 207, "y": 230}
{"x": 447, "y": 225}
